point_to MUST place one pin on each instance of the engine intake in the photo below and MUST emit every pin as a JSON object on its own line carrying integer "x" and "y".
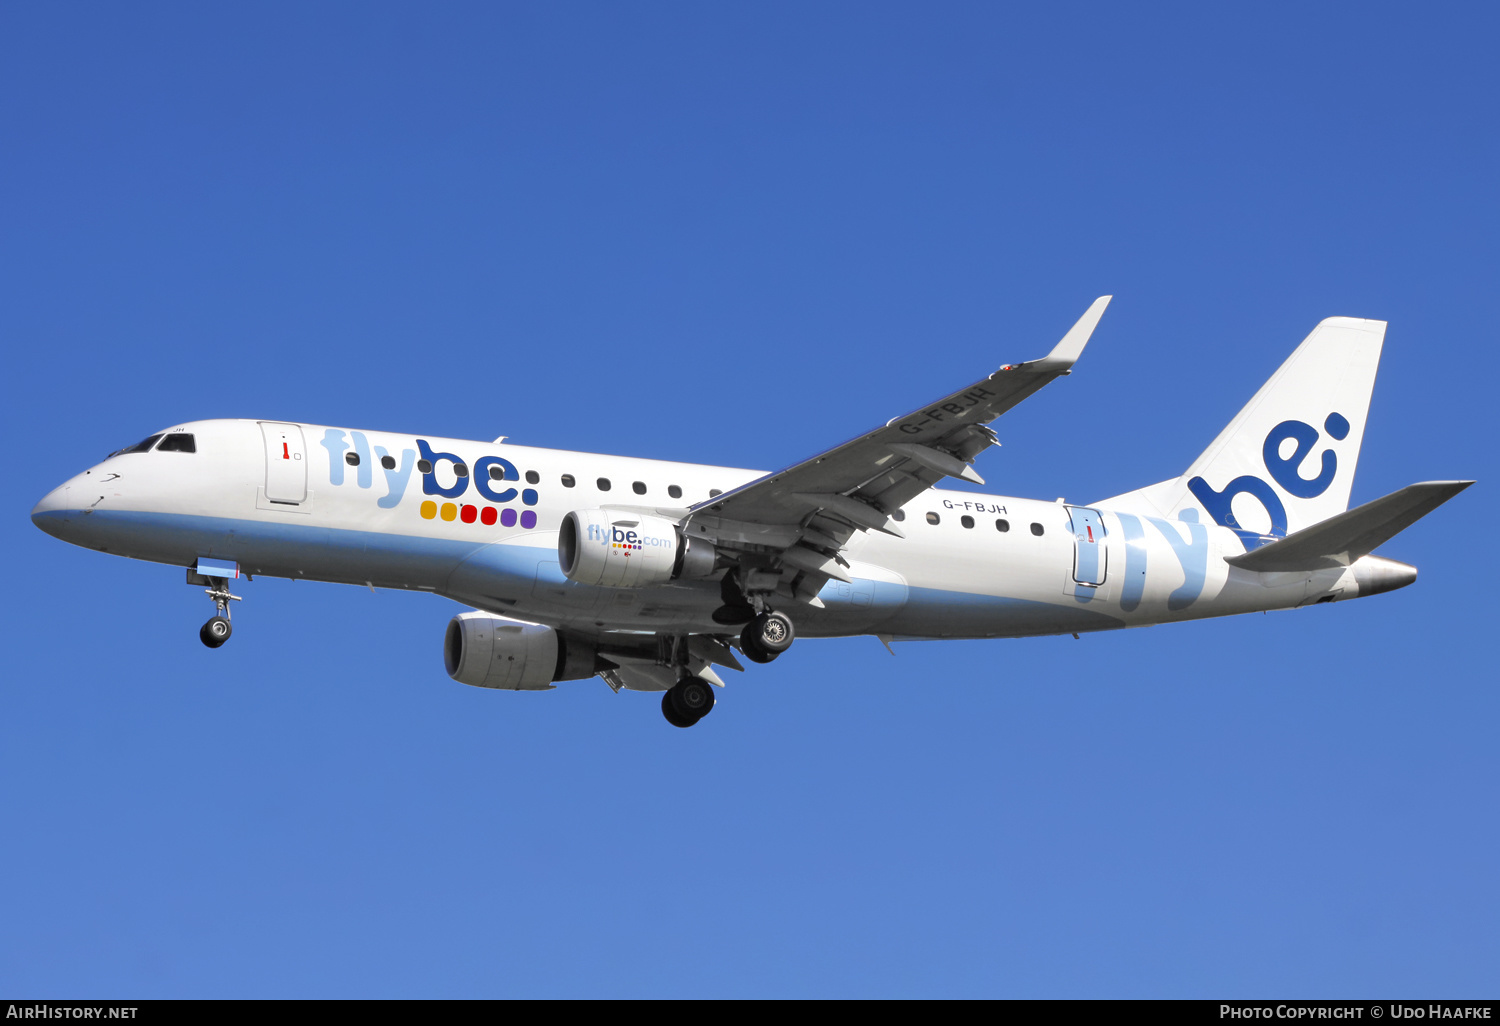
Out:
{"x": 623, "y": 549}
{"x": 488, "y": 651}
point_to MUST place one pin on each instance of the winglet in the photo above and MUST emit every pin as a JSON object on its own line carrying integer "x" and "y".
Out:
{"x": 1066, "y": 352}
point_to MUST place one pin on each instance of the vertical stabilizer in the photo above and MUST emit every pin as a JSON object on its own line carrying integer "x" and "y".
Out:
{"x": 1287, "y": 460}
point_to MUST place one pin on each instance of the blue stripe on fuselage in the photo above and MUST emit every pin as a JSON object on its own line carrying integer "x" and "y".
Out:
{"x": 309, "y": 551}
{"x": 277, "y": 549}
{"x": 933, "y": 613}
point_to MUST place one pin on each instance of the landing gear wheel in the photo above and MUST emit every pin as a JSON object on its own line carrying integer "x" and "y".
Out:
{"x": 215, "y": 632}
{"x": 692, "y": 698}
{"x": 767, "y": 636}
{"x": 670, "y": 712}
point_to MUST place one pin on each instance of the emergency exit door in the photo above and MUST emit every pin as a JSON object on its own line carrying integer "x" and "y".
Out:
{"x": 286, "y": 463}
{"x": 1089, "y": 552}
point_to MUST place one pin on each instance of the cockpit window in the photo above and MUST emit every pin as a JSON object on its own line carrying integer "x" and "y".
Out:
{"x": 143, "y": 446}
{"x": 178, "y": 442}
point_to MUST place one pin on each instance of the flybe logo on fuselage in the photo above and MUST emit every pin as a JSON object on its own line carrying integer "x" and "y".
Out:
{"x": 490, "y": 476}
{"x": 1285, "y": 471}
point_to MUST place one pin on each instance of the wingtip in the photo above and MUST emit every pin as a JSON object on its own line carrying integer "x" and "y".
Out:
{"x": 1067, "y": 351}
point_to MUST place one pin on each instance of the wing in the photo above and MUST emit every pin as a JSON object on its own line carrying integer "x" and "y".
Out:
{"x": 787, "y": 529}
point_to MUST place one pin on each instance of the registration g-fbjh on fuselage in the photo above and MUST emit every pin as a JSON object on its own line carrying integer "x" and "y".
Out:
{"x": 650, "y": 574}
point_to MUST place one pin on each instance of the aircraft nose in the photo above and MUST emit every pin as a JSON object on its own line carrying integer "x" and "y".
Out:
{"x": 54, "y": 509}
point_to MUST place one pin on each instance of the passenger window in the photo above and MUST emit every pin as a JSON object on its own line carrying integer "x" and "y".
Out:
{"x": 933, "y": 518}
{"x": 715, "y": 491}
{"x": 899, "y": 515}
{"x": 603, "y": 484}
{"x": 497, "y": 472}
{"x": 1037, "y": 529}
{"x": 966, "y": 521}
{"x": 532, "y": 477}
{"x": 1002, "y": 526}
{"x": 568, "y": 481}
{"x": 179, "y": 442}
{"x": 388, "y": 462}
{"x": 425, "y": 466}
{"x": 351, "y": 458}
{"x": 461, "y": 470}
{"x": 675, "y": 491}
{"x": 639, "y": 488}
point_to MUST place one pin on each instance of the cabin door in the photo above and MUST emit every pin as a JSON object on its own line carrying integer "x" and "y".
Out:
{"x": 286, "y": 463}
{"x": 1089, "y": 553}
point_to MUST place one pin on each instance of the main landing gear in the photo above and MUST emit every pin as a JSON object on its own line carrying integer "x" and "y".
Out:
{"x": 766, "y": 636}
{"x": 688, "y": 702}
{"x": 767, "y": 633}
{"x": 218, "y": 629}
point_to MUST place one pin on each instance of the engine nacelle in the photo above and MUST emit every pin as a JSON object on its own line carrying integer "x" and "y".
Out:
{"x": 488, "y": 651}
{"x": 621, "y": 549}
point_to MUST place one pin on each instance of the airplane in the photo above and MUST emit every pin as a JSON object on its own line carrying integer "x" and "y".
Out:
{"x": 649, "y": 574}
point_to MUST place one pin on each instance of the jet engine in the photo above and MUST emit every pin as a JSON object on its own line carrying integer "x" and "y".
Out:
{"x": 489, "y": 651}
{"x": 622, "y": 549}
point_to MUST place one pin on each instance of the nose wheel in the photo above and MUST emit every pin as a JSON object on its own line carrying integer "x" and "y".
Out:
{"x": 215, "y": 632}
{"x": 218, "y": 629}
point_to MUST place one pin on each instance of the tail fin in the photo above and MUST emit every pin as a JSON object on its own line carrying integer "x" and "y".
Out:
{"x": 1287, "y": 460}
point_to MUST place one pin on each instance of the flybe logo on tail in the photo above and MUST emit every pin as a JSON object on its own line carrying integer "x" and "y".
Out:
{"x": 1285, "y": 471}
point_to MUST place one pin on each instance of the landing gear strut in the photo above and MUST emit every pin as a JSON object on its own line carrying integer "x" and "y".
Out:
{"x": 218, "y": 629}
{"x": 688, "y": 702}
{"x": 767, "y": 636}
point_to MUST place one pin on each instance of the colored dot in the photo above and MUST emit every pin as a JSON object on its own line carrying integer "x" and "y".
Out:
{"x": 449, "y": 511}
{"x": 528, "y": 519}
{"x": 529, "y": 496}
{"x": 1337, "y": 426}
{"x": 468, "y": 514}
{"x": 429, "y": 510}
{"x": 487, "y": 517}
{"x": 507, "y": 518}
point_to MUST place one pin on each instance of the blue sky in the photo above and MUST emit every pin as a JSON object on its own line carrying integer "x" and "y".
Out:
{"x": 739, "y": 235}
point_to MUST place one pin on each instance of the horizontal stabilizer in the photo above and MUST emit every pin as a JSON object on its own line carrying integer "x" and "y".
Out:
{"x": 1341, "y": 539}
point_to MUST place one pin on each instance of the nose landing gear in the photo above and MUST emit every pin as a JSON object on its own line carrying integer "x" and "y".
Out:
{"x": 218, "y": 629}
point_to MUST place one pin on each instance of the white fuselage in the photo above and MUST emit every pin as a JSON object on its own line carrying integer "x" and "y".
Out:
{"x": 295, "y": 507}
